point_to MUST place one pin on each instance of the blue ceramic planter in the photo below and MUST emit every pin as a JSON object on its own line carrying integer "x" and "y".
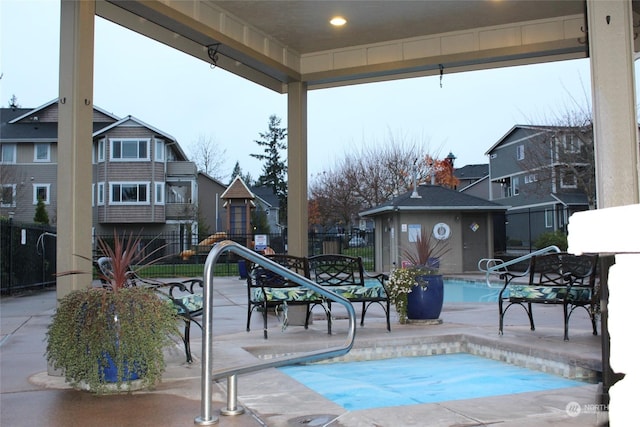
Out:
{"x": 425, "y": 300}
{"x": 110, "y": 371}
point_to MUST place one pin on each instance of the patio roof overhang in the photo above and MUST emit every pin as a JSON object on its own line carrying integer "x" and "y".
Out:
{"x": 273, "y": 43}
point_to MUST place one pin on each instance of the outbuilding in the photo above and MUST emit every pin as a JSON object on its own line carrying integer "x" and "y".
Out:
{"x": 471, "y": 227}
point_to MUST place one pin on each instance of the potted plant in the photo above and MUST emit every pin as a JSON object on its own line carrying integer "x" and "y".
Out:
{"x": 417, "y": 288}
{"x": 105, "y": 338}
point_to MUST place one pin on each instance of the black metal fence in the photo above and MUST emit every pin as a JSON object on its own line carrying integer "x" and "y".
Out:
{"x": 524, "y": 227}
{"x": 27, "y": 256}
{"x": 28, "y": 253}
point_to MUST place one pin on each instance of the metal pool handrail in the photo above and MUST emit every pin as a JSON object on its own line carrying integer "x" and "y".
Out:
{"x": 497, "y": 266}
{"x": 207, "y": 377}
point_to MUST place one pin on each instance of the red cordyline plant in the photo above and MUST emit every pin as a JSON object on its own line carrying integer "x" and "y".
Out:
{"x": 425, "y": 250}
{"x": 125, "y": 252}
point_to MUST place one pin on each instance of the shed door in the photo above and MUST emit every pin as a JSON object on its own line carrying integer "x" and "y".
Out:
{"x": 474, "y": 240}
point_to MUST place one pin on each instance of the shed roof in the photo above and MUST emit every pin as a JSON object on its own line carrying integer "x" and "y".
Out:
{"x": 435, "y": 198}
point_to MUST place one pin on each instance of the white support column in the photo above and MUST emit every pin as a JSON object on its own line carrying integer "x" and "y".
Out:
{"x": 614, "y": 106}
{"x": 616, "y": 151}
{"x": 75, "y": 126}
{"x": 298, "y": 216}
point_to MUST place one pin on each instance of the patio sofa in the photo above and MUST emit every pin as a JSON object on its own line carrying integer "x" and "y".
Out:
{"x": 554, "y": 278}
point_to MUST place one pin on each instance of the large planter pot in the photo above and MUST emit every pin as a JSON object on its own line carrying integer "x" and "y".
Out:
{"x": 96, "y": 352}
{"x": 424, "y": 302}
{"x": 109, "y": 371}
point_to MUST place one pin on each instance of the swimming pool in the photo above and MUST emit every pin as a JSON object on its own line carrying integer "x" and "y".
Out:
{"x": 426, "y": 379}
{"x": 457, "y": 290}
{"x": 467, "y": 291}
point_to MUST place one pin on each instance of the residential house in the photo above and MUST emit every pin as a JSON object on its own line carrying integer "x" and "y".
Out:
{"x": 474, "y": 180}
{"x": 543, "y": 174}
{"x": 268, "y": 204}
{"x": 471, "y": 227}
{"x": 142, "y": 180}
{"x": 212, "y": 215}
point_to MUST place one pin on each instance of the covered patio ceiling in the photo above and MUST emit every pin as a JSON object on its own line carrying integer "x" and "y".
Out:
{"x": 273, "y": 43}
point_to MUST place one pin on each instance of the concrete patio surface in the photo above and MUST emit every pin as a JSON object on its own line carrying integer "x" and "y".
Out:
{"x": 30, "y": 396}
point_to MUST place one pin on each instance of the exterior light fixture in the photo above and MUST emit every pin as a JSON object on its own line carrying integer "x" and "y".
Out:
{"x": 338, "y": 21}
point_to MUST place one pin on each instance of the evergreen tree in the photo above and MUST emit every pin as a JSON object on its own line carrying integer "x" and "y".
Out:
{"x": 237, "y": 171}
{"x": 41, "y": 216}
{"x": 274, "y": 170}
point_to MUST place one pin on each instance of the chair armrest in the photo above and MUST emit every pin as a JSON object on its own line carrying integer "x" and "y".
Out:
{"x": 381, "y": 277}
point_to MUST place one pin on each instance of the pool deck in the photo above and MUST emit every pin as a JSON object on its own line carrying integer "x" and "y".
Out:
{"x": 29, "y": 396}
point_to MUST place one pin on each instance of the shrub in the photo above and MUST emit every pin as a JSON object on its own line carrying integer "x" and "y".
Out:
{"x": 555, "y": 238}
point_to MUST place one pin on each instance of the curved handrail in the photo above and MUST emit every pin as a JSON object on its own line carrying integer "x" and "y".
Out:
{"x": 207, "y": 377}
{"x": 497, "y": 266}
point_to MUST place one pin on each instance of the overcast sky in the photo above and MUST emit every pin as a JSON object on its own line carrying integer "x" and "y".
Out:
{"x": 187, "y": 99}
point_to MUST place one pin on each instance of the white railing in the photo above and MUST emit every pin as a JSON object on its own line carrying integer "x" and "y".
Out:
{"x": 491, "y": 266}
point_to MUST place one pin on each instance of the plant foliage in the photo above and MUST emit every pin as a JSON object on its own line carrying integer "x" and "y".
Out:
{"x": 401, "y": 282}
{"x": 425, "y": 250}
{"x": 128, "y": 324}
{"x": 132, "y": 326}
{"x": 552, "y": 238}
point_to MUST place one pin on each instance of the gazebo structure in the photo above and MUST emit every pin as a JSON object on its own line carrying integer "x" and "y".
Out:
{"x": 291, "y": 48}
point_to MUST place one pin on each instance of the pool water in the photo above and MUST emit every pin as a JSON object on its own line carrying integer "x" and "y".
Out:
{"x": 469, "y": 291}
{"x": 456, "y": 290}
{"x": 413, "y": 380}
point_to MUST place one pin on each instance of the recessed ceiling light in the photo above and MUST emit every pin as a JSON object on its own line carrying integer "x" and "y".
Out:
{"x": 338, "y": 21}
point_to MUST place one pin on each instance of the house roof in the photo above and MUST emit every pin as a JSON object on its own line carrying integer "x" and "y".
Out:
{"x": 435, "y": 198}
{"x": 474, "y": 183}
{"x": 571, "y": 199}
{"x": 534, "y": 128}
{"x": 20, "y": 124}
{"x": 30, "y": 111}
{"x": 237, "y": 190}
{"x": 212, "y": 179}
{"x": 506, "y": 136}
{"x": 472, "y": 171}
{"x": 25, "y": 132}
{"x": 266, "y": 194}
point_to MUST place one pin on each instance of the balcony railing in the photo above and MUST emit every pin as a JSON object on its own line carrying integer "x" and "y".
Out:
{"x": 180, "y": 210}
{"x": 181, "y": 169}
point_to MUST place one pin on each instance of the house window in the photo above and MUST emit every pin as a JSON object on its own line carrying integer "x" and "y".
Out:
{"x": 178, "y": 192}
{"x": 568, "y": 180}
{"x": 515, "y": 185}
{"x": 129, "y": 193}
{"x": 548, "y": 218}
{"x": 100, "y": 195}
{"x": 7, "y": 153}
{"x": 159, "y": 150}
{"x": 41, "y": 192}
{"x": 531, "y": 178}
{"x": 160, "y": 193}
{"x": 520, "y": 152}
{"x": 8, "y": 195}
{"x": 42, "y": 153}
{"x": 101, "y": 145}
{"x": 505, "y": 185}
{"x": 571, "y": 144}
{"x": 129, "y": 149}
